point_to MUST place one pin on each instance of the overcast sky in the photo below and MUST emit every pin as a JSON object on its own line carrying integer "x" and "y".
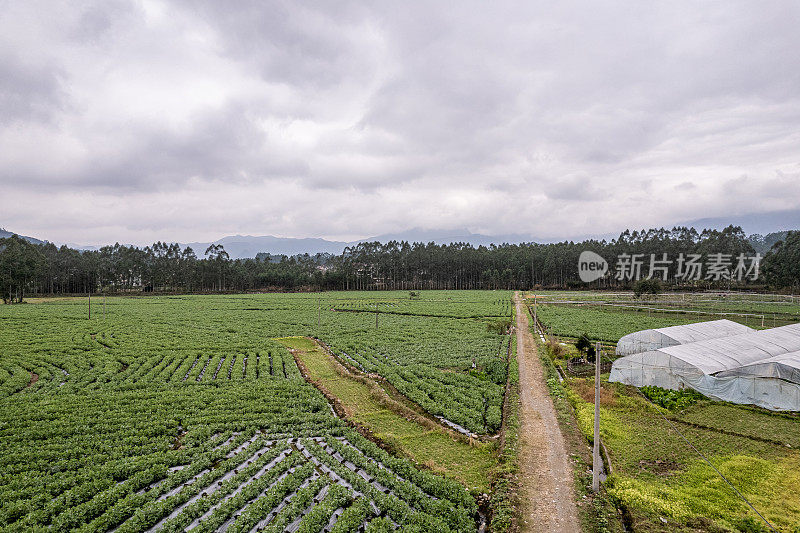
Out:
{"x": 136, "y": 121}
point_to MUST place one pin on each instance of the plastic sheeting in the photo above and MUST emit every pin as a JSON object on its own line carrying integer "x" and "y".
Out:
{"x": 653, "y": 339}
{"x": 759, "y": 367}
{"x": 785, "y": 367}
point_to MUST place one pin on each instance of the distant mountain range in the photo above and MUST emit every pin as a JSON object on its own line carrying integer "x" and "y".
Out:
{"x": 761, "y": 223}
{"x": 449, "y": 236}
{"x": 4, "y": 234}
{"x": 241, "y": 246}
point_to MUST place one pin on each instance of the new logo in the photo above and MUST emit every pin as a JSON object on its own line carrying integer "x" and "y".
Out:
{"x": 591, "y": 266}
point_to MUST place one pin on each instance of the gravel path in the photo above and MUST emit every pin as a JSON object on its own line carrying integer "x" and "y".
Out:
{"x": 546, "y": 480}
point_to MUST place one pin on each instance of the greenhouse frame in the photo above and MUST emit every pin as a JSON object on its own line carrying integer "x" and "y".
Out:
{"x": 755, "y": 367}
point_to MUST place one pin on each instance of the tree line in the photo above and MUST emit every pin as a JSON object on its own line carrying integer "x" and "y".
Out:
{"x": 30, "y": 268}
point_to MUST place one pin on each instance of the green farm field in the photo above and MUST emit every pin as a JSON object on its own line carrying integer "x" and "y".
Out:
{"x": 607, "y": 316}
{"x": 660, "y": 481}
{"x": 184, "y": 412}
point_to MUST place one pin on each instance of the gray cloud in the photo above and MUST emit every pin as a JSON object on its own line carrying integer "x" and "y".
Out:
{"x": 28, "y": 92}
{"x": 187, "y": 120}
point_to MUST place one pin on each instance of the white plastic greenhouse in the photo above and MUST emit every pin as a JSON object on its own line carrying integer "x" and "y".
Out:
{"x": 653, "y": 339}
{"x": 756, "y": 367}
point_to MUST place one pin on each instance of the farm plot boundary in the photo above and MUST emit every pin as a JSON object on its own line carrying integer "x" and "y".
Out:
{"x": 410, "y": 434}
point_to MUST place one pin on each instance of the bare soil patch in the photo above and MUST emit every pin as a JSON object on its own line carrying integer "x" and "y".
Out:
{"x": 662, "y": 467}
{"x": 585, "y": 388}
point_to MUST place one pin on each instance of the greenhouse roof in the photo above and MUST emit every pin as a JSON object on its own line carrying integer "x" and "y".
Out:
{"x": 700, "y": 331}
{"x": 728, "y": 353}
{"x": 786, "y": 367}
{"x": 758, "y": 367}
{"x": 652, "y": 339}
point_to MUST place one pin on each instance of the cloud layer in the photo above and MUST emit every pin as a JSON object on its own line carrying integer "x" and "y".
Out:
{"x": 141, "y": 120}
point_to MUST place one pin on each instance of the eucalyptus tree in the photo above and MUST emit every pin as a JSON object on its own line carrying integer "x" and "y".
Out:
{"x": 20, "y": 264}
{"x": 216, "y": 253}
{"x": 782, "y": 262}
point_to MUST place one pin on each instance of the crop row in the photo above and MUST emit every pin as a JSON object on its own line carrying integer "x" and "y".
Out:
{"x": 472, "y": 400}
{"x": 331, "y": 483}
{"x": 62, "y": 451}
{"x": 16, "y": 372}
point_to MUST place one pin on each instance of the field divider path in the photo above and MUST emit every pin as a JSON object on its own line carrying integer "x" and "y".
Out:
{"x": 368, "y": 407}
{"x": 546, "y": 476}
{"x": 398, "y": 402}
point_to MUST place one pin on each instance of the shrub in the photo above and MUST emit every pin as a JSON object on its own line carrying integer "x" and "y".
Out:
{"x": 501, "y": 327}
{"x": 647, "y": 286}
{"x": 554, "y": 349}
{"x": 586, "y": 347}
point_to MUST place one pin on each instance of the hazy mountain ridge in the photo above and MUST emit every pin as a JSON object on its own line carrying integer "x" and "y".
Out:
{"x": 4, "y": 234}
{"x": 241, "y": 246}
{"x": 447, "y": 237}
{"x": 764, "y": 229}
{"x": 754, "y": 223}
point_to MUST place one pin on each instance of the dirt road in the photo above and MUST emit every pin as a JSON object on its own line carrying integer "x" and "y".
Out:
{"x": 546, "y": 482}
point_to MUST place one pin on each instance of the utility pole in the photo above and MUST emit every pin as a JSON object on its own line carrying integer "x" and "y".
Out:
{"x": 596, "y": 451}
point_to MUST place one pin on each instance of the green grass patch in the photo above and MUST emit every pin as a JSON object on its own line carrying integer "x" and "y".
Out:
{"x": 745, "y": 420}
{"x": 658, "y": 476}
{"x": 468, "y": 463}
{"x": 504, "y": 488}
